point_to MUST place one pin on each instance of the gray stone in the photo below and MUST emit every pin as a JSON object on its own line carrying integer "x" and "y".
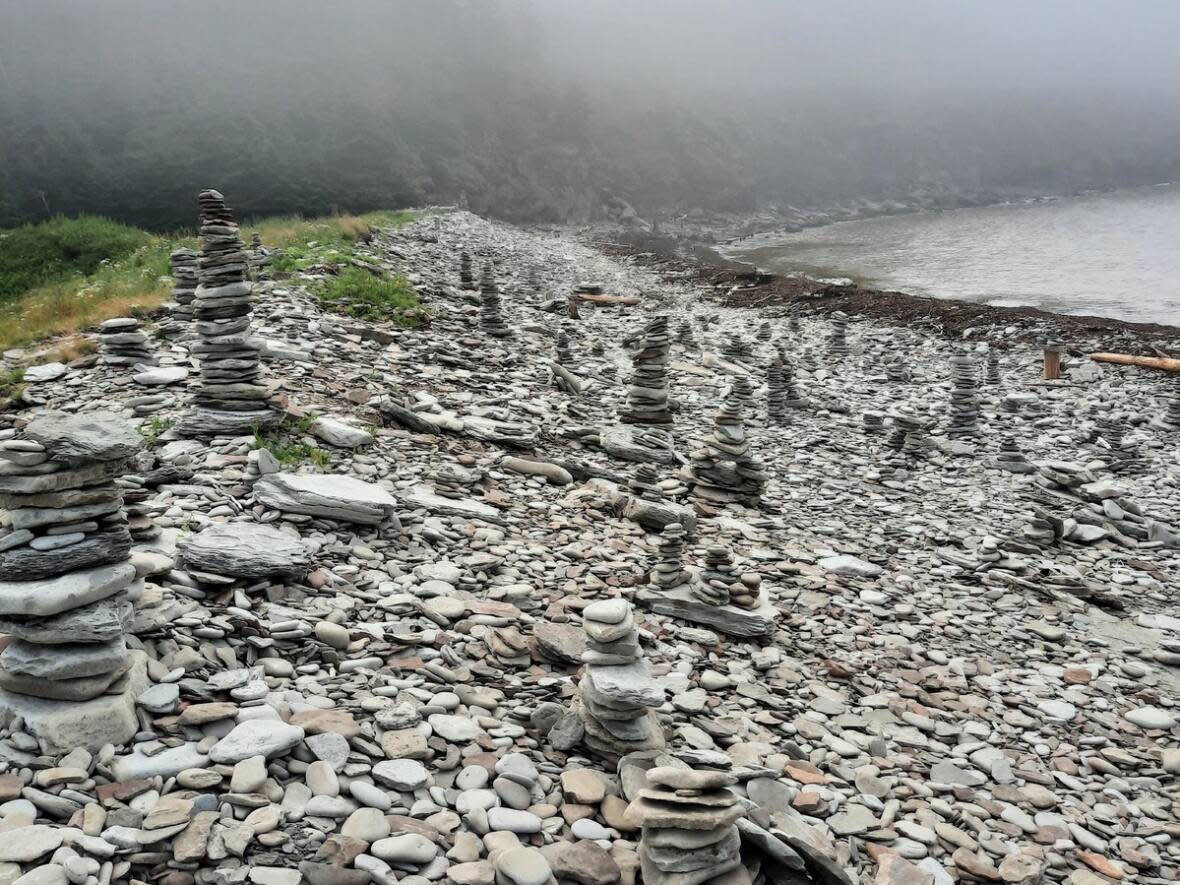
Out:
{"x": 257, "y": 737}
{"x": 245, "y": 550}
{"x": 55, "y": 595}
{"x": 335, "y": 497}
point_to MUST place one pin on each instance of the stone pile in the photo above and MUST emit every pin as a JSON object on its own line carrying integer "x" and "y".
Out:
{"x": 617, "y": 696}
{"x": 897, "y": 371}
{"x": 645, "y": 483}
{"x": 776, "y": 392}
{"x": 561, "y": 349}
{"x": 964, "y": 405}
{"x": 230, "y": 399}
{"x": 1112, "y": 428}
{"x": 647, "y": 389}
{"x": 872, "y": 421}
{"x": 1171, "y": 416}
{"x": 686, "y": 337}
{"x": 457, "y": 482}
{"x": 723, "y": 470}
{"x": 668, "y": 572}
{"x": 992, "y": 369}
{"x": 908, "y": 433}
{"x": 259, "y": 258}
{"x": 466, "y": 272}
{"x": 122, "y": 343}
{"x": 737, "y": 349}
{"x": 743, "y": 393}
{"x": 66, "y": 585}
{"x": 490, "y": 317}
{"x": 764, "y": 334}
{"x": 720, "y": 583}
{"x": 838, "y": 342}
{"x": 794, "y": 397}
{"x": 1011, "y": 459}
{"x": 689, "y": 825}
{"x": 185, "y": 279}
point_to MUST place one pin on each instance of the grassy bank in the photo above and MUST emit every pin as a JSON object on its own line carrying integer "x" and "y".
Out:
{"x": 67, "y": 275}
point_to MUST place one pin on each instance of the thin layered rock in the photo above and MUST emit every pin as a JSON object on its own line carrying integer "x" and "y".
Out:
{"x": 230, "y": 399}
{"x": 689, "y": 825}
{"x": 67, "y": 585}
{"x": 723, "y": 470}
{"x": 617, "y": 696}
{"x": 647, "y": 390}
{"x": 121, "y": 342}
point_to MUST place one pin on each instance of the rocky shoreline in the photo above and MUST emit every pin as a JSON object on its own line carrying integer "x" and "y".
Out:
{"x": 759, "y": 594}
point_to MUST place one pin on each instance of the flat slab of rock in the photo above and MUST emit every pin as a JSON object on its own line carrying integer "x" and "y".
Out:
{"x": 55, "y": 595}
{"x": 161, "y": 376}
{"x": 335, "y": 432}
{"x": 729, "y": 619}
{"x": 850, "y": 567}
{"x": 85, "y": 436}
{"x": 320, "y": 494}
{"x": 245, "y": 550}
{"x": 422, "y": 496}
{"x": 619, "y": 440}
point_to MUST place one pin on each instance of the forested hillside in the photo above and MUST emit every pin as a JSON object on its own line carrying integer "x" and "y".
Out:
{"x": 127, "y": 108}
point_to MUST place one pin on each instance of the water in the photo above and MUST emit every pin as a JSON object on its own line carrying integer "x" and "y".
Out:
{"x": 1113, "y": 255}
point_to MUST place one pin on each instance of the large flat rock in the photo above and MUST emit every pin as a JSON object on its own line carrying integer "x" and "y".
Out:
{"x": 728, "y": 619}
{"x": 245, "y": 550}
{"x": 85, "y": 436}
{"x": 327, "y": 495}
{"x": 422, "y": 496}
{"x": 55, "y": 595}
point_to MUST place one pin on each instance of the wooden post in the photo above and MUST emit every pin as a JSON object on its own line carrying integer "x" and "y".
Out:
{"x": 1053, "y": 361}
{"x": 1167, "y": 364}
{"x": 572, "y": 301}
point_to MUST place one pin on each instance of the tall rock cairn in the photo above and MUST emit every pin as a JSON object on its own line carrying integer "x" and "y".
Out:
{"x": 992, "y": 372}
{"x": 668, "y": 571}
{"x": 689, "y": 821}
{"x": 489, "y": 305}
{"x": 964, "y": 397}
{"x": 617, "y": 696}
{"x": 466, "y": 274}
{"x": 65, "y": 581}
{"x": 230, "y": 400}
{"x": 184, "y": 282}
{"x": 647, "y": 392}
{"x": 838, "y": 343}
{"x": 723, "y": 470}
{"x": 776, "y": 392}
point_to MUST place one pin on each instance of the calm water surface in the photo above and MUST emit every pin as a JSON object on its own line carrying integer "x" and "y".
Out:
{"x": 1114, "y": 254}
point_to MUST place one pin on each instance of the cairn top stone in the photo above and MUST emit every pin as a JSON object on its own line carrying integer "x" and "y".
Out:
{"x": 85, "y": 436}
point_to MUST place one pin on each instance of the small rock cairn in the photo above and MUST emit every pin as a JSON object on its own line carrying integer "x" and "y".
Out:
{"x": 689, "y": 820}
{"x": 720, "y": 583}
{"x": 743, "y": 392}
{"x": 992, "y": 370}
{"x": 466, "y": 274}
{"x": 1011, "y": 459}
{"x": 872, "y": 421}
{"x": 489, "y": 305}
{"x": 793, "y": 324}
{"x": 617, "y": 696}
{"x": 838, "y": 342}
{"x": 1171, "y": 417}
{"x": 645, "y": 483}
{"x": 66, "y": 581}
{"x": 764, "y": 334}
{"x": 122, "y": 343}
{"x": 908, "y": 434}
{"x": 259, "y": 258}
{"x": 897, "y": 371}
{"x": 561, "y": 349}
{"x": 736, "y": 349}
{"x": 668, "y": 572}
{"x": 686, "y": 337}
{"x": 776, "y": 392}
{"x": 647, "y": 392}
{"x": 184, "y": 282}
{"x": 723, "y": 469}
{"x": 964, "y": 397}
{"x": 230, "y": 400}
{"x": 794, "y": 398}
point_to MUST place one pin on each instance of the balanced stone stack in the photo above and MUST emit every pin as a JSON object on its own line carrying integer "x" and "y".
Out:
{"x": 259, "y": 258}
{"x": 229, "y": 400}
{"x": 668, "y": 572}
{"x": 185, "y": 279}
{"x": 721, "y": 584}
{"x": 66, "y": 585}
{"x": 466, "y": 274}
{"x": 135, "y": 505}
{"x": 794, "y": 398}
{"x": 776, "y": 392}
{"x": 1170, "y": 420}
{"x": 736, "y": 349}
{"x": 992, "y": 371}
{"x": 764, "y": 333}
{"x": 909, "y": 432}
{"x": 489, "y": 305}
{"x": 723, "y": 470}
{"x": 1011, "y": 459}
{"x": 838, "y": 343}
{"x": 689, "y": 826}
{"x": 897, "y": 371}
{"x": 617, "y": 696}
{"x": 647, "y": 390}
{"x": 687, "y": 340}
{"x": 645, "y": 483}
{"x": 1112, "y": 427}
{"x": 964, "y": 397}
{"x": 743, "y": 393}
{"x": 561, "y": 349}
{"x": 122, "y": 343}
{"x": 793, "y": 324}
{"x": 873, "y": 421}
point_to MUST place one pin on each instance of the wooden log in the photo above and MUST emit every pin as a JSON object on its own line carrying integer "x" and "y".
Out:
{"x": 625, "y": 300}
{"x": 1146, "y": 362}
{"x": 1052, "y": 362}
{"x": 572, "y": 381}
{"x": 554, "y": 473}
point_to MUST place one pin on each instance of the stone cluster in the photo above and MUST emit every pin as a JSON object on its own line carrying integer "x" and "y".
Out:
{"x": 490, "y": 317}
{"x": 908, "y": 433}
{"x": 230, "y": 399}
{"x": 689, "y": 822}
{"x": 67, "y": 585}
{"x": 668, "y": 571}
{"x": 838, "y": 342}
{"x": 122, "y": 343}
{"x": 647, "y": 389}
{"x": 644, "y": 483}
{"x": 617, "y": 696}
{"x": 721, "y": 583}
{"x": 723, "y": 470}
{"x": 964, "y": 404}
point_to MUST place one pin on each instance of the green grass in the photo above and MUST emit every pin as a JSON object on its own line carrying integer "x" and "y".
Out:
{"x": 62, "y": 247}
{"x": 151, "y": 430}
{"x": 360, "y": 294}
{"x": 289, "y": 450}
{"x": 10, "y": 385}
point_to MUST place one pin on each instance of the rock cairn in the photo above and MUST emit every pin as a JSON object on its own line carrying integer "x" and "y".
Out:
{"x": 897, "y": 371}
{"x": 466, "y": 273}
{"x": 617, "y": 696}
{"x": 645, "y": 483}
{"x": 964, "y": 403}
{"x": 793, "y": 324}
{"x": 259, "y": 258}
{"x": 647, "y": 390}
{"x": 992, "y": 370}
{"x": 67, "y": 585}
{"x": 1011, "y": 459}
{"x": 185, "y": 278}
{"x": 764, "y": 334}
{"x": 686, "y": 337}
{"x": 689, "y": 822}
{"x": 794, "y": 397}
{"x": 736, "y": 349}
{"x": 561, "y": 349}
{"x": 908, "y": 433}
{"x": 230, "y": 399}
{"x": 668, "y": 571}
{"x": 1171, "y": 417}
{"x": 122, "y": 343}
{"x": 721, "y": 584}
{"x": 1112, "y": 428}
{"x": 743, "y": 393}
{"x": 872, "y": 421}
{"x": 723, "y": 470}
{"x": 776, "y": 392}
{"x": 490, "y": 316}
{"x": 838, "y": 342}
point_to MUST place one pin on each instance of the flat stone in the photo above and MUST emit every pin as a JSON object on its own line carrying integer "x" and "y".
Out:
{"x": 332, "y": 496}
{"x": 245, "y": 550}
{"x": 257, "y": 737}
{"x": 55, "y": 595}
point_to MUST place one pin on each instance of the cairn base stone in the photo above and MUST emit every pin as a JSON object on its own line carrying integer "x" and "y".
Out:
{"x": 679, "y": 602}
{"x": 61, "y": 726}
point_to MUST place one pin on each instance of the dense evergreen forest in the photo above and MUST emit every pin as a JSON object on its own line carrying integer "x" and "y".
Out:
{"x": 549, "y": 111}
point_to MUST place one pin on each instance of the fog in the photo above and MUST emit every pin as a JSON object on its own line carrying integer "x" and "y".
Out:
{"x": 553, "y": 110}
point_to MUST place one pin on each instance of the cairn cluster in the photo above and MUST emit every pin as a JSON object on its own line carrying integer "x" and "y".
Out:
{"x": 230, "y": 398}
{"x": 647, "y": 391}
{"x": 668, "y": 571}
{"x": 122, "y": 343}
{"x": 838, "y": 342}
{"x": 689, "y": 825}
{"x": 723, "y": 470}
{"x": 964, "y": 397}
{"x": 66, "y": 585}
{"x": 490, "y": 316}
{"x": 617, "y": 696}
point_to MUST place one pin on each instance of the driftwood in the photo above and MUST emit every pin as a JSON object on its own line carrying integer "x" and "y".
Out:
{"x": 568, "y": 379}
{"x": 554, "y": 473}
{"x": 626, "y": 300}
{"x": 1147, "y": 362}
